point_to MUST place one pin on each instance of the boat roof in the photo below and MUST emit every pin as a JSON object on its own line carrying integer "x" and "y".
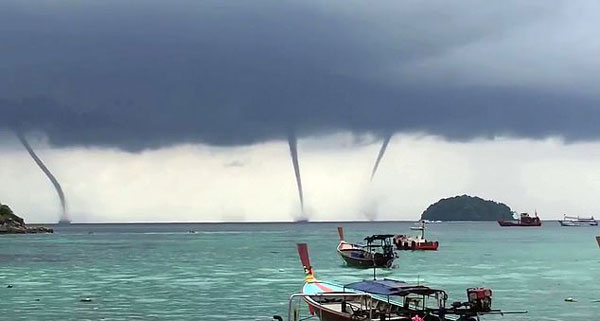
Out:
{"x": 378, "y": 237}
{"x": 391, "y": 287}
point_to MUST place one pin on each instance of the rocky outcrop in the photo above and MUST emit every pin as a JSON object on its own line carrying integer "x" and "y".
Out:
{"x": 12, "y": 224}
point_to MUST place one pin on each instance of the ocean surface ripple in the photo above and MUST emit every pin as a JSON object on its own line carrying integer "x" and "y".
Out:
{"x": 248, "y": 271}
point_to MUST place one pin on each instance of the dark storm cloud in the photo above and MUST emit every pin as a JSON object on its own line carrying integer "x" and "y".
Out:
{"x": 144, "y": 74}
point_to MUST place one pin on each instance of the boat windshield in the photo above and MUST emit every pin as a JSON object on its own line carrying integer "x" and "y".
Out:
{"x": 383, "y": 241}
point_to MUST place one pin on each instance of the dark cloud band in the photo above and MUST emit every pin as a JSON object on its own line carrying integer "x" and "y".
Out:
{"x": 147, "y": 74}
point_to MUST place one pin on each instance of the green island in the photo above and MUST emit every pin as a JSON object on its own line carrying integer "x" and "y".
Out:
{"x": 10, "y": 223}
{"x": 467, "y": 208}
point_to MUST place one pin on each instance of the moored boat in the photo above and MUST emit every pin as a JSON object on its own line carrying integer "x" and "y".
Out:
{"x": 418, "y": 243}
{"x": 418, "y": 226}
{"x": 377, "y": 251}
{"x": 523, "y": 220}
{"x": 382, "y": 299}
{"x": 574, "y": 221}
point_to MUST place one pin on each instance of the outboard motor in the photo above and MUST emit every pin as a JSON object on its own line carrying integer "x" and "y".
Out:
{"x": 480, "y": 299}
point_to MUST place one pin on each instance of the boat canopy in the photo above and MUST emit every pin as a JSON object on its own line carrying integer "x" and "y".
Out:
{"x": 372, "y": 238}
{"x": 391, "y": 288}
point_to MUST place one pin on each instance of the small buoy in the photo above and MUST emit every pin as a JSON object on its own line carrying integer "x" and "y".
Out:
{"x": 570, "y": 299}
{"x": 9, "y": 286}
{"x": 281, "y": 270}
{"x": 86, "y": 300}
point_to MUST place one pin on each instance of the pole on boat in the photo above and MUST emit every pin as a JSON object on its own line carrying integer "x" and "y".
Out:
{"x": 303, "y": 253}
{"x": 341, "y": 233}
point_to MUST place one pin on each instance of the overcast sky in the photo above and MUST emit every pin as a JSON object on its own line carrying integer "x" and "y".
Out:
{"x": 179, "y": 110}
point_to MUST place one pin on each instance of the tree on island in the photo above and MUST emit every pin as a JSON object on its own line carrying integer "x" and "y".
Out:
{"x": 467, "y": 208}
{"x": 7, "y": 214}
{"x": 10, "y": 223}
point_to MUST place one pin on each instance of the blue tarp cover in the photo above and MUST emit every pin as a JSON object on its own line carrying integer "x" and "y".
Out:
{"x": 390, "y": 287}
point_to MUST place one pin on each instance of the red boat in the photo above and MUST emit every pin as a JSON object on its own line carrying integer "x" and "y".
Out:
{"x": 418, "y": 243}
{"x": 524, "y": 220}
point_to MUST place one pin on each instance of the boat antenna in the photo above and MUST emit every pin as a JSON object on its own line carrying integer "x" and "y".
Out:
{"x": 418, "y": 280}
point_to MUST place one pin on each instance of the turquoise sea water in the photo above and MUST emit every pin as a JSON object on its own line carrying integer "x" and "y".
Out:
{"x": 247, "y": 271}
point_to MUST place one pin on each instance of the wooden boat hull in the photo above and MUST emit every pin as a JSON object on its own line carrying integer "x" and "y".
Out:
{"x": 360, "y": 257}
{"x": 326, "y": 314}
{"x": 364, "y": 259}
{"x": 317, "y": 309}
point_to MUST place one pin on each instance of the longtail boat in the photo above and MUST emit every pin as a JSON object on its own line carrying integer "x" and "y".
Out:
{"x": 378, "y": 251}
{"x": 381, "y": 300}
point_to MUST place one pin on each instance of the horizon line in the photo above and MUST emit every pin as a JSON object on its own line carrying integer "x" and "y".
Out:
{"x": 263, "y": 222}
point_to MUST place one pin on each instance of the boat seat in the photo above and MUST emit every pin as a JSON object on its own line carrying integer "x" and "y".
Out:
{"x": 352, "y": 308}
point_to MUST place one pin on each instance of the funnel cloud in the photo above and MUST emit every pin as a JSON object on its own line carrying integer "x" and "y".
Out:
{"x": 61, "y": 195}
{"x": 386, "y": 141}
{"x": 293, "y": 143}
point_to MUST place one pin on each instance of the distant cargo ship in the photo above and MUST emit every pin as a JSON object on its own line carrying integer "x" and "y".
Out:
{"x": 524, "y": 220}
{"x": 578, "y": 221}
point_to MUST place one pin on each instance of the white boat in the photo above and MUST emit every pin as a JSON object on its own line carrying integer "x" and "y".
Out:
{"x": 578, "y": 221}
{"x": 419, "y": 227}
